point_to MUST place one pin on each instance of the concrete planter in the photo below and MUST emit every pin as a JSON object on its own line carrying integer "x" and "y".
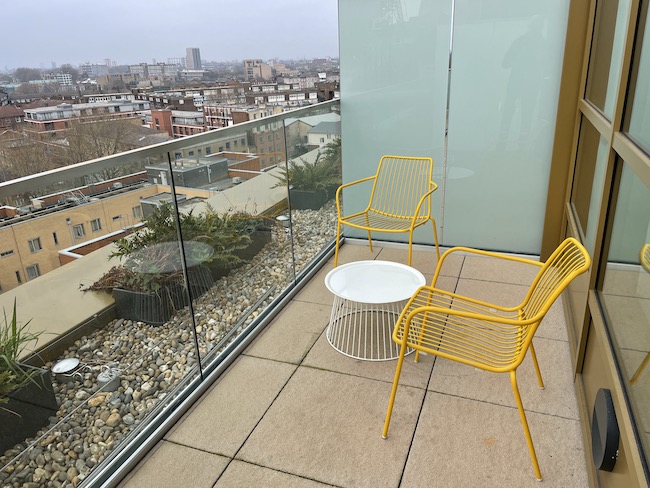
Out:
{"x": 308, "y": 199}
{"x": 34, "y": 404}
{"x": 153, "y": 308}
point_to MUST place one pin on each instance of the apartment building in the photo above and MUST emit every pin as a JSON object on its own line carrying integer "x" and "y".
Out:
{"x": 177, "y": 123}
{"x": 157, "y": 71}
{"x": 220, "y": 115}
{"x": 213, "y": 171}
{"x": 285, "y": 94}
{"x": 193, "y": 58}
{"x": 10, "y": 117}
{"x": 33, "y": 238}
{"x": 49, "y": 122}
{"x": 257, "y": 70}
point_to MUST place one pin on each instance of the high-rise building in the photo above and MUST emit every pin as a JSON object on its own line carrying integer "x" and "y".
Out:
{"x": 193, "y": 58}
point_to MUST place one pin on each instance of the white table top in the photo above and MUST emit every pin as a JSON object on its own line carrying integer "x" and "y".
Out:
{"x": 374, "y": 281}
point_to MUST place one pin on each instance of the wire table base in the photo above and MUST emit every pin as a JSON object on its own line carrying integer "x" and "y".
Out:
{"x": 364, "y": 330}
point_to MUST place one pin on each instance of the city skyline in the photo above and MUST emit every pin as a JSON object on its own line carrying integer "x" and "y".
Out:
{"x": 75, "y": 32}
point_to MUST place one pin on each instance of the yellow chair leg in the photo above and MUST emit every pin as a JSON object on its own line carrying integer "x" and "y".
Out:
{"x": 540, "y": 381}
{"x": 410, "y": 247}
{"x": 338, "y": 239}
{"x": 640, "y": 369}
{"x": 435, "y": 237}
{"x": 391, "y": 402}
{"x": 524, "y": 422}
{"x": 370, "y": 241}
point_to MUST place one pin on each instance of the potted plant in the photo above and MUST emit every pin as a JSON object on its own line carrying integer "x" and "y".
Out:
{"x": 257, "y": 227}
{"x": 145, "y": 297}
{"x": 26, "y": 395}
{"x": 312, "y": 184}
{"x": 149, "y": 286}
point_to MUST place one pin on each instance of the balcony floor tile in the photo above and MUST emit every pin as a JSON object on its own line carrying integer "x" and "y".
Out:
{"x": 244, "y": 475}
{"x": 222, "y": 420}
{"x": 293, "y": 334}
{"x": 324, "y": 356}
{"x": 463, "y": 442}
{"x": 327, "y": 426}
{"x": 172, "y": 464}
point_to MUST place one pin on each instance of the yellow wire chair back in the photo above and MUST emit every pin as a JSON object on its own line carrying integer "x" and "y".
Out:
{"x": 568, "y": 261}
{"x": 399, "y": 186}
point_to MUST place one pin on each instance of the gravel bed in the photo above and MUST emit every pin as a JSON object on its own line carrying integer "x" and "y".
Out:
{"x": 153, "y": 361}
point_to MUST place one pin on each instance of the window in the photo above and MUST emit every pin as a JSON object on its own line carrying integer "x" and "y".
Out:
{"x": 78, "y": 230}
{"x": 220, "y": 148}
{"x": 208, "y": 150}
{"x": 6, "y": 254}
{"x": 33, "y": 271}
{"x": 243, "y": 141}
{"x": 227, "y": 145}
{"x": 96, "y": 225}
{"x": 18, "y": 278}
{"x": 137, "y": 212}
{"x": 35, "y": 244}
{"x": 117, "y": 217}
{"x": 191, "y": 153}
{"x": 322, "y": 139}
{"x": 56, "y": 239}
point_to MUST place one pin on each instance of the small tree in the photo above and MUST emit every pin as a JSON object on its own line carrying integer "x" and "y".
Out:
{"x": 324, "y": 173}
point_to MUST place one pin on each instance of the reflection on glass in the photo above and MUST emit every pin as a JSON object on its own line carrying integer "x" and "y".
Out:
{"x": 639, "y": 117}
{"x": 626, "y": 294}
{"x": 606, "y": 53}
{"x": 588, "y": 181}
{"x": 505, "y": 76}
{"x": 396, "y": 59}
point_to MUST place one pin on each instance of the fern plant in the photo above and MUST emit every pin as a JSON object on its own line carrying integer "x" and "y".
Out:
{"x": 14, "y": 338}
{"x": 324, "y": 173}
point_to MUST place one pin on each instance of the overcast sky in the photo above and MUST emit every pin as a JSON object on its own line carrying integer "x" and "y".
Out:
{"x": 36, "y": 32}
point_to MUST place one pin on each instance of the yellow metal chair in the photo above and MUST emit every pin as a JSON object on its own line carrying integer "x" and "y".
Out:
{"x": 486, "y": 335}
{"x": 400, "y": 200}
{"x": 644, "y": 259}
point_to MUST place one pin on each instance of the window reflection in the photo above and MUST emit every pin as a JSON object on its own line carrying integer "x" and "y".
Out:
{"x": 606, "y": 53}
{"x": 626, "y": 294}
{"x": 639, "y": 113}
{"x": 588, "y": 181}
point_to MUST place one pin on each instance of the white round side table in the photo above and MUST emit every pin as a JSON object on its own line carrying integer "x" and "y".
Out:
{"x": 368, "y": 298}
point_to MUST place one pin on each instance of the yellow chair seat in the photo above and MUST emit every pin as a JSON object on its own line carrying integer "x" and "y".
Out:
{"x": 467, "y": 339}
{"x": 378, "y": 222}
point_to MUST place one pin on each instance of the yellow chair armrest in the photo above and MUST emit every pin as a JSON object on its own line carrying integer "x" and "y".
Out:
{"x": 422, "y": 200}
{"x": 339, "y": 190}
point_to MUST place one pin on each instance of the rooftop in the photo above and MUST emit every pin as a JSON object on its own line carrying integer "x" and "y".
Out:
{"x": 293, "y": 412}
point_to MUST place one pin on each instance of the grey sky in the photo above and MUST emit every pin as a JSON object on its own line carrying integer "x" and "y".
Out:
{"x": 37, "y": 32}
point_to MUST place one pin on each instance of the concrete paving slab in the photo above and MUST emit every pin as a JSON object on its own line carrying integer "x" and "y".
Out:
{"x": 336, "y": 437}
{"x": 222, "y": 420}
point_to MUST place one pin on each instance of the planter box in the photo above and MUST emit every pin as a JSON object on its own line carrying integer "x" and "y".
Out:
{"x": 153, "y": 308}
{"x": 308, "y": 199}
{"x": 259, "y": 239}
{"x": 156, "y": 308}
{"x": 34, "y": 403}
